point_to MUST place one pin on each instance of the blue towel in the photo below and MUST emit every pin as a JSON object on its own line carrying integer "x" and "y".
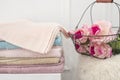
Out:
{"x": 58, "y": 41}
{"x": 6, "y": 45}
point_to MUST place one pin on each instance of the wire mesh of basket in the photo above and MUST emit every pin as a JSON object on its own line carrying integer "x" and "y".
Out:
{"x": 99, "y": 46}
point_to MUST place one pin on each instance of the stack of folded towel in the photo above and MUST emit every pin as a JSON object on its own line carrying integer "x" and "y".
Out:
{"x": 16, "y": 57}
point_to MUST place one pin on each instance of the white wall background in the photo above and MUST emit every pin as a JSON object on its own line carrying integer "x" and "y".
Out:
{"x": 113, "y": 16}
{"x": 65, "y": 12}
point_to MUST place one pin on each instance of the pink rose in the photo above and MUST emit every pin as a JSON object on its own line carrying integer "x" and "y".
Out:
{"x": 105, "y": 27}
{"x": 100, "y": 50}
{"x": 95, "y": 29}
{"x": 81, "y": 48}
{"x": 78, "y": 35}
{"x": 100, "y": 28}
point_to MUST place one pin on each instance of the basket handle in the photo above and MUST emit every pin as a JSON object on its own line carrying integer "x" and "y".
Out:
{"x": 117, "y": 5}
{"x": 104, "y": 1}
{"x": 84, "y": 14}
{"x": 119, "y": 15}
{"x": 91, "y": 5}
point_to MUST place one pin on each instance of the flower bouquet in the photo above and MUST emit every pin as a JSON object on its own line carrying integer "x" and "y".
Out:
{"x": 97, "y": 40}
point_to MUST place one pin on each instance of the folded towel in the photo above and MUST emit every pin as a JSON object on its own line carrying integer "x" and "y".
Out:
{"x": 47, "y": 68}
{"x": 56, "y": 51}
{"x": 7, "y": 45}
{"x": 58, "y": 41}
{"x": 20, "y": 61}
{"x": 38, "y": 37}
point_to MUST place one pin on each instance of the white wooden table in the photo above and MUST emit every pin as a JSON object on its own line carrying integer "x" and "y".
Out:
{"x": 55, "y": 76}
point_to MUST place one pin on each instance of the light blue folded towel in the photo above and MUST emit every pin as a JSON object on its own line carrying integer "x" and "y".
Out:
{"x": 6, "y": 45}
{"x": 58, "y": 41}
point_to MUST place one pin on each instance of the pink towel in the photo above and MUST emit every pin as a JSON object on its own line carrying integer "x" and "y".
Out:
{"x": 56, "y": 51}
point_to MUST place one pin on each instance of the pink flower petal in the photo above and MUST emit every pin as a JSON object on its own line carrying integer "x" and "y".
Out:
{"x": 82, "y": 49}
{"x": 78, "y": 34}
{"x": 95, "y": 29}
{"x": 77, "y": 46}
{"x": 92, "y": 52}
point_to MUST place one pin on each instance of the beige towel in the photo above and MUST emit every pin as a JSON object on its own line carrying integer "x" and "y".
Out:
{"x": 38, "y": 37}
{"x": 17, "y": 61}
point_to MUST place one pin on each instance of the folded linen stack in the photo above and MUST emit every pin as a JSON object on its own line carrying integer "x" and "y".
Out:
{"x": 19, "y": 56}
{"x": 14, "y": 59}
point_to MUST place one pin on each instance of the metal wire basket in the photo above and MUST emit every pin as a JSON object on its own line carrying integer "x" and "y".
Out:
{"x": 109, "y": 44}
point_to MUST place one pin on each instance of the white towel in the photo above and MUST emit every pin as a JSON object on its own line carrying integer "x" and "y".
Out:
{"x": 38, "y": 37}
